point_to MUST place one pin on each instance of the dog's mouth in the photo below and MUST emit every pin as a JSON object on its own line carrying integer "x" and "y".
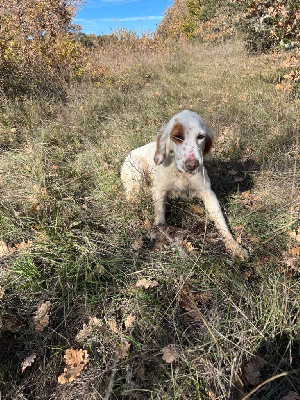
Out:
{"x": 187, "y": 172}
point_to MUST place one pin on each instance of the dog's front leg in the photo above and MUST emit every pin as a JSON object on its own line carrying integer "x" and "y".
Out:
{"x": 213, "y": 208}
{"x": 159, "y": 197}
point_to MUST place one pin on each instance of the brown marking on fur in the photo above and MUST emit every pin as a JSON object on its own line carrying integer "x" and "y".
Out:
{"x": 177, "y": 133}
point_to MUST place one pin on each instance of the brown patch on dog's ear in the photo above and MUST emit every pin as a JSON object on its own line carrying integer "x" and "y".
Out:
{"x": 208, "y": 144}
{"x": 160, "y": 153}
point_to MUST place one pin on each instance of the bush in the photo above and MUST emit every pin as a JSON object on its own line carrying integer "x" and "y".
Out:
{"x": 270, "y": 24}
{"x": 37, "y": 46}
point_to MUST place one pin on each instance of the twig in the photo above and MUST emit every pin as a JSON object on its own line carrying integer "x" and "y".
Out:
{"x": 270, "y": 380}
{"x": 112, "y": 380}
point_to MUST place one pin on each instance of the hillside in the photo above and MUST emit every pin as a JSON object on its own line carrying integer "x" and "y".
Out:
{"x": 182, "y": 319}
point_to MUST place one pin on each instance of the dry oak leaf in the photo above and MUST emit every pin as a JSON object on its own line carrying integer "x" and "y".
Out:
{"x": 4, "y": 249}
{"x": 295, "y": 236}
{"x": 295, "y": 251}
{"x": 147, "y": 225}
{"x": 28, "y": 362}
{"x": 76, "y": 361}
{"x": 87, "y": 329}
{"x": 41, "y": 316}
{"x": 113, "y": 325}
{"x": 196, "y": 209}
{"x": 123, "y": 350}
{"x": 69, "y": 374}
{"x": 251, "y": 370}
{"x": 170, "y": 353}
{"x": 12, "y": 324}
{"x": 137, "y": 244}
{"x": 129, "y": 320}
{"x": 145, "y": 283}
{"x": 291, "y": 396}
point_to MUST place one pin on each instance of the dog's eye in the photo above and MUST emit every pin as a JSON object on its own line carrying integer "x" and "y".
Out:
{"x": 178, "y": 138}
{"x": 200, "y": 136}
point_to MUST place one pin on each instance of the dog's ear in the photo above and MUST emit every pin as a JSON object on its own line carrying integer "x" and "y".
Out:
{"x": 161, "y": 141}
{"x": 209, "y": 138}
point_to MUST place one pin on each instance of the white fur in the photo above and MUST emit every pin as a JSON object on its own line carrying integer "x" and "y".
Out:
{"x": 165, "y": 164}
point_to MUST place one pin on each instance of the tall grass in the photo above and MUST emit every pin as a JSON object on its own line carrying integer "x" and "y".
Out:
{"x": 84, "y": 247}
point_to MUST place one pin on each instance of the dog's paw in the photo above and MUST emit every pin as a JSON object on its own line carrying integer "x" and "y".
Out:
{"x": 237, "y": 251}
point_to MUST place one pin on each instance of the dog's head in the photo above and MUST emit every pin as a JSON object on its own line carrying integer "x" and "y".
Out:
{"x": 188, "y": 137}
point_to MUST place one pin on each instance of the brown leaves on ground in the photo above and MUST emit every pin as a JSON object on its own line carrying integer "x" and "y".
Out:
{"x": 41, "y": 316}
{"x": 291, "y": 396}
{"x": 28, "y": 362}
{"x": 252, "y": 200}
{"x": 129, "y": 320}
{"x": 11, "y": 324}
{"x": 76, "y": 361}
{"x": 113, "y": 326}
{"x": 87, "y": 330}
{"x": 6, "y": 250}
{"x": 123, "y": 349}
{"x": 170, "y": 353}
{"x": 295, "y": 251}
{"x": 295, "y": 235}
{"x": 189, "y": 301}
{"x": 137, "y": 244}
{"x": 252, "y": 370}
{"x": 146, "y": 283}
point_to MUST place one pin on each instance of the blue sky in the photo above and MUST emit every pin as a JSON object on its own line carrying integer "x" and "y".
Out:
{"x": 104, "y": 16}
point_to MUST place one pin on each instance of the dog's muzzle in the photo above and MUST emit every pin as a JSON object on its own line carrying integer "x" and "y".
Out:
{"x": 191, "y": 165}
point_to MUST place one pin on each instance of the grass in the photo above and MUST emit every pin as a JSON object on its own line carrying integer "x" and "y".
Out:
{"x": 84, "y": 248}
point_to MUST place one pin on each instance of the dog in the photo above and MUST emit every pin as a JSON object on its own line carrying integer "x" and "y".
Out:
{"x": 173, "y": 165}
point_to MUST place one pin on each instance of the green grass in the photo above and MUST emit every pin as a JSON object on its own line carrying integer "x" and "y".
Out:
{"x": 60, "y": 188}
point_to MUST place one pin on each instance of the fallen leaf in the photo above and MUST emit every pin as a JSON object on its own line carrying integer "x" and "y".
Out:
{"x": 291, "y": 396}
{"x": 11, "y": 324}
{"x": 147, "y": 225}
{"x": 129, "y": 320}
{"x": 196, "y": 209}
{"x": 232, "y": 172}
{"x": 69, "y": 375}
{"x": 4, "y": 249}
{"x": 76, "y": 361}
{"x": 1, "y": 292}
{"x": 251, "y": 370}
{"x": 294, "y": 251}
{"x": 137, "y": 244}
{"x": 170, "y": 353}
{"x": 123, "y": 349}
{"x": 41, "y": 316}
{"x": 141, "y": 374}
{"x": 113, "y": 325}
{"x": 295, "y": 236}
{"x": 87, "y": 329}
{"x": 204, "y": 297}
{"x": 28, "y": 362}
{"x": 23, "y": 245}
{"x": 211, "y": 395}
{"x": 187, "y": 245}
{"x": 145, "y": 283}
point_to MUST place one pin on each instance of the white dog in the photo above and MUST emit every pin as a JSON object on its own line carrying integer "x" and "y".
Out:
{"x": 174, "y": 165}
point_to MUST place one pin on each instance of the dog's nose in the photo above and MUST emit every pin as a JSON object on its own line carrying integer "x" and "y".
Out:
{"x": 191, "y": 165}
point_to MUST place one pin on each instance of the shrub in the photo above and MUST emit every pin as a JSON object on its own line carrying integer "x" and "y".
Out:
{"x": 208, "y": 20}
{"x": 272, "y": 23}
{"x": 37, "y": 46}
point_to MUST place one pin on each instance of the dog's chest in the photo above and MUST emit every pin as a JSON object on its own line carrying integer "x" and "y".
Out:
{"x": 182, "y": 187}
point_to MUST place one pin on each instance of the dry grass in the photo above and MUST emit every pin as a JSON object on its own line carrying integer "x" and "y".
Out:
{"x": 60, "y": 189}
